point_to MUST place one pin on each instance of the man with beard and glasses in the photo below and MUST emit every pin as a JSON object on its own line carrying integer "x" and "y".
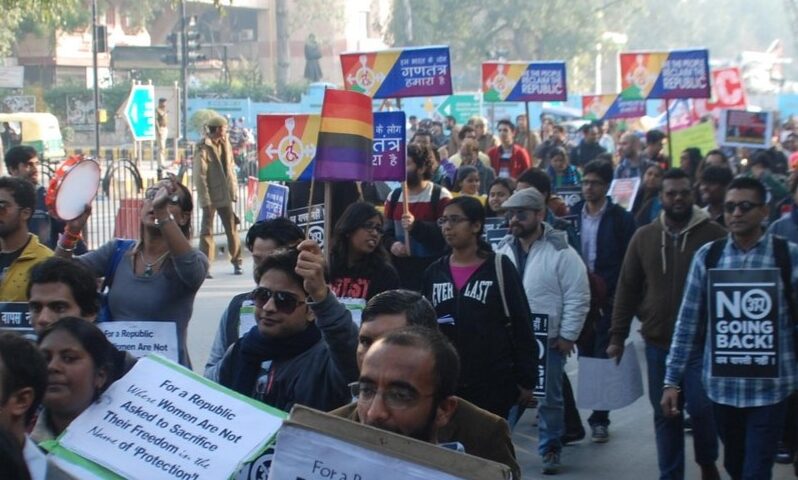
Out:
{"x": 426, "y": 203}
{"x": 650, "y": 287}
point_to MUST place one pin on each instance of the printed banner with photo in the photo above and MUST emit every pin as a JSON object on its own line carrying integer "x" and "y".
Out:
{"x": 623, "y": 191}
{"x": 611, "y": 106}
{"x": 739, "y": 128}
{"x": 744, "y": 322}
{"x": 667, "y": 75}
{"x": 287, "y": 146}
{"x": 165, "y": 422}
{"x": 399, "y": 73}
{"x": 524, "y": 82}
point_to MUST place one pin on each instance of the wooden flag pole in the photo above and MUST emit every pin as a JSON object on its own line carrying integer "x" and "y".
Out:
{"x": 668, "y": 130}
{"x": 406, "y": 211}
{"x": 328, "y": 206}
{"x": 310, "y": 203}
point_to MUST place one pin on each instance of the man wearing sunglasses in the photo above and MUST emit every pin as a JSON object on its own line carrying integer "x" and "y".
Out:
{"x": 749, "y": 409}
{"x": 302, "y": 348}
{"x": 650, "y": 287}
{"x": 263, "y": 239}
{"x": 480, "y": 432}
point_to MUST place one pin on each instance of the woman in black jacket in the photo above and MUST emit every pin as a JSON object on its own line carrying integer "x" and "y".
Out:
{"x": 482, "y": 308}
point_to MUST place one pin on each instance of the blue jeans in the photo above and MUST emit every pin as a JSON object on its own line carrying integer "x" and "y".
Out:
{"x": 551, "y": 412}
{"x": 749, "y": 438}
{"x": 670, "y": 430}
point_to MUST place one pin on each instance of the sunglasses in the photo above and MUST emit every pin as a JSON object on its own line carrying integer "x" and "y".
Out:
{"x": 520, "y": 214}
{"x": 284, "y": 302}
{"x": 745, "y": 207}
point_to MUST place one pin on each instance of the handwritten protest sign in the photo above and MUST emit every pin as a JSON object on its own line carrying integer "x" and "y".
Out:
{"x": 161, "y": 421}
{"x": 275, "y": 202}
{"x": 399, "y": 73}
{"x": 739, "y": 128}
{"x": 316, "y": 220}
{"x": 744, "y": 322}
{"x": 666, "y": 75}
{"x": 603, "y": 385}
{"x": 524, "y": 81}
{"x": 623, "y": 191}
{"x": 143, "y": 338}
{"x": 14, "y": 317}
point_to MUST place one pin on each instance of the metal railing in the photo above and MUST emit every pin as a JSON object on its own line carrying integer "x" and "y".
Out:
{"x": 117, "y": 208}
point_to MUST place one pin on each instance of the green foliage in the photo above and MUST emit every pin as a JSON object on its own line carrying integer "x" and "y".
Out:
{"x": 200, "y": 118}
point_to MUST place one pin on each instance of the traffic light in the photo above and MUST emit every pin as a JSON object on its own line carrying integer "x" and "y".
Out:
{"x": 173, "y": 57}
{"x": 193, "y": 45}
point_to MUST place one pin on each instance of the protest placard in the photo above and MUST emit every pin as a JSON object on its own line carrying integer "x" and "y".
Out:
{"x": 540, "y": 327}
{"x": 316, "y": 220}
{"x": 14, "y": 317}
{"x": 388, "y": 147}
{"x": 700, "y": 136}
{"x": 317, "y": 446}
{"x": 143, "y": 338}
{"x": 524, "y": 82}
{"x": 611, "y": 106}
{"x": 603, "y": 385}
{"x": 744, "y": 322}
{"x": 571, "y": 195}
{"x": 287, "y": 146}
{"x": 667, "y": 75}
{"x": 399, "y": 73}
{"x": 495, "y": 229}
{"x": 623, "y": 191}
{"x": 739, "y": 128}
{"x": 275, "y": 202}
{"x": 161, "y": 421}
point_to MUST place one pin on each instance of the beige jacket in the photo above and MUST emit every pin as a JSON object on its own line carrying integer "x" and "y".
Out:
{"x": 214, "y": 177}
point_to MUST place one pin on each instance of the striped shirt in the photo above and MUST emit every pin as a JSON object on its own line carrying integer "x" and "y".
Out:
{"x": 736, "y": 392}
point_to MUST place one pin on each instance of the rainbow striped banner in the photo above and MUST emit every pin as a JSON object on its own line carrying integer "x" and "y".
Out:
{"x": 344, "y": 149}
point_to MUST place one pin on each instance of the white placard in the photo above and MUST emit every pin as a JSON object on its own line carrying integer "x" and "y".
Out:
{"x": 143, "y": 338}
{"x": 355, "y": 307}
{"x": 603, "y": 385}
{"x": 310, "y": 455}
{"x": 161, "y": 421}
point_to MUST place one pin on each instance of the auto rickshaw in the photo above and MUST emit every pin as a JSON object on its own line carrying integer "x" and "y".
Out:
{"x": 38, "y": 130}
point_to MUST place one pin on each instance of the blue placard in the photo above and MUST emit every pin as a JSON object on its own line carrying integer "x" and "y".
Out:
{"x": 388, "y": 147}
{"x": 275, "y": 202}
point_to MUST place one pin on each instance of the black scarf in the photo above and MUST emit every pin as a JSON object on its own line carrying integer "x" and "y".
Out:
{"x": 256, "y": 348}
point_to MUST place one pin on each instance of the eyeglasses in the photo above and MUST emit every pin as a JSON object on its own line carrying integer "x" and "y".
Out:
{"x": 4, "y": 206}
{"x": 372, "y": 227}
{"x": 745, "y": 207}
{"x": 520, "y": 213}
{"x": 395, "y": 398}
{"x": 451, "y": 220}
{"x": 284, "y": 302}
{"x": 152, "y": 192}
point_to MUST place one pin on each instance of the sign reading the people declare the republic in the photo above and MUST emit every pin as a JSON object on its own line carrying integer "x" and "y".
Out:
{"x": 666, "y": 75}
{"x": 744, "y": 322}
{"x": 611, "y": 106}
{"x": 161, "y": 421}
{"x": 143, "y": 338}
{"x": 399, "y": 73}
{"x": 524, "y": 82}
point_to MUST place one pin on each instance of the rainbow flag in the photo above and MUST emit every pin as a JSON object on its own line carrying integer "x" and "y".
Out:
{"x": 343, "y": 149}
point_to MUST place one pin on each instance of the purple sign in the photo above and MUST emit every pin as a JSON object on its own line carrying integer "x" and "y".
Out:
{"x": 388, "y": 147}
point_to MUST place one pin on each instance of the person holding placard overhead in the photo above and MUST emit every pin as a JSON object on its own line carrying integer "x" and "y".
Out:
{"x": 156, "y": 278}
{"x": 739, "y": 309}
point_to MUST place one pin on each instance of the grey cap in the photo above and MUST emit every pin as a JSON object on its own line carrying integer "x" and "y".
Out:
{"x": 527, "y": 198}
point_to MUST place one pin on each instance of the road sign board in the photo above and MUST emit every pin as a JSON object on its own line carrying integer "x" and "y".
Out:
{"x": 140, "y": 112}
{"x": 461, "y": 106}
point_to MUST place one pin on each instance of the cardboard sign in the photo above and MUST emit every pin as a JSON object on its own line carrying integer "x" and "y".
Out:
{"x": 388, "y": 147}
{"x": 287, "y": 146}
{"x": 611, "y": 106}
{"x": 700, "y": 136}
{"x": 623, "y": 191}
{"x": 399, "y": 73}
{"x": 603, "y": 385}
{"x": 524, "y": 81}
{"x": 744, "y": 322}
{"x": 540, "y": 327}
{"x": 15, "y": 317}
{"x": 739, "y": 128}
{"x": 316, "y": 220}
{"x": 161, "y": 421}
{"x": 275, "y": 202}
{"x": 143, "y": 338}
{"x": 674, "y": 74}
{"x": 571, "y": 195}
{"x": 495, "y": 230}
{"x": 313, "y": 445}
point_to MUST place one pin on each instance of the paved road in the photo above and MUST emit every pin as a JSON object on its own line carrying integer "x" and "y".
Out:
{"x": 629, "y": 455}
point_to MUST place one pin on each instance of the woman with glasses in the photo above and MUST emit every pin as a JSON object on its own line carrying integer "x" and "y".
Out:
{"x": 482, "y": 308}
{"x": 302, "y": 347}
{"x": 360, "y": 267}
{"x": 156, "y": 278}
